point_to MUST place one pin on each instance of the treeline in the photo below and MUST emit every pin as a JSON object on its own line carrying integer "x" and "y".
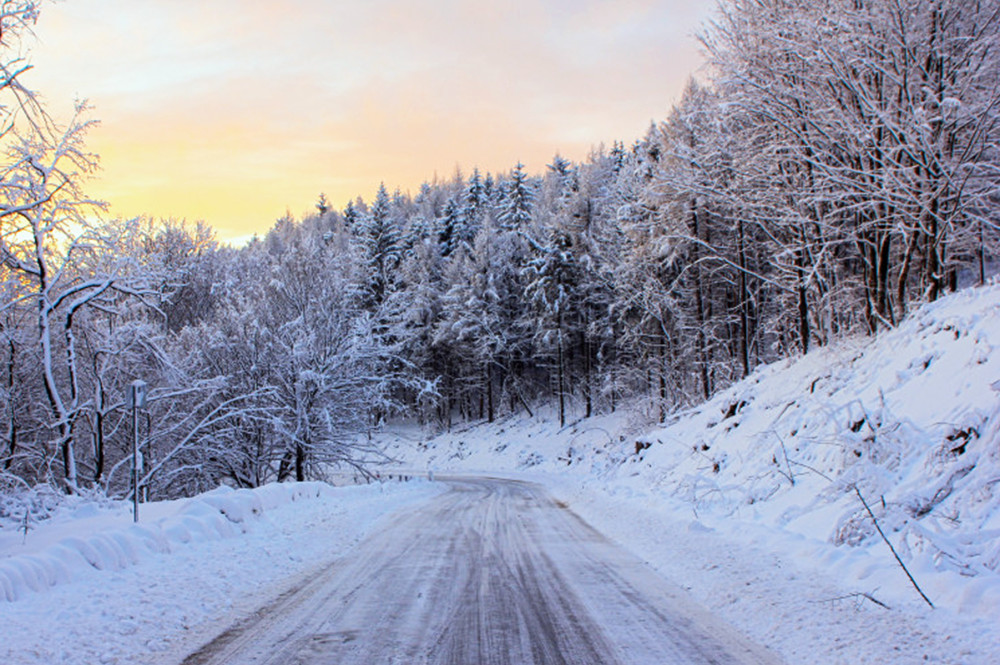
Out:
{"x": 838, "y": 163}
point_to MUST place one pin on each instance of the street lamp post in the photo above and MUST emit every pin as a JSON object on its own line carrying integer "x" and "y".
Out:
{"x": 135, "y": 400}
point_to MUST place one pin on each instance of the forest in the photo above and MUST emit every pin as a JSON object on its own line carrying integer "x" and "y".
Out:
{"x": 836, "y": 162}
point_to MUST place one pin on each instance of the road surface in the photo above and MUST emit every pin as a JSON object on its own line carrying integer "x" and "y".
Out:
{"x": 492, "y": 572}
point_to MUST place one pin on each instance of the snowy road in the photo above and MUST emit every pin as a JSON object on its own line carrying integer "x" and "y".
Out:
{"x": 491, "y": 572}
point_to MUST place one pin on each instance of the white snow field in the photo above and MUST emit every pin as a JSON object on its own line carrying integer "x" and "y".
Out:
{"x": 90, "y": 587}
{"x": 751, "y": 500}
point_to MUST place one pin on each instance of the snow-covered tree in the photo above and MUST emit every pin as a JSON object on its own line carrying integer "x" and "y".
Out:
{"x": 883, "y": 145}
{"x": 516, "y": 203}
{"x": 382, "y": 239}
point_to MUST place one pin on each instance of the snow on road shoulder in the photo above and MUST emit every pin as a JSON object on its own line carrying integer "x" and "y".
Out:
{"x": 152, "y": 592}
{"x": 104, "y": 536}
{"x": 758, "y": 581}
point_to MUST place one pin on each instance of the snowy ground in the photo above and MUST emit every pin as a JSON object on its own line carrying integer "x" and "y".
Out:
{"x": 751, "y": 500}
{"x": 108, "y": 592}
{"x": 765, "y": 585}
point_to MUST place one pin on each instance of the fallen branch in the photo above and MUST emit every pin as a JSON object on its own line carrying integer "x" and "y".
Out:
{"x": 814, "y": 470}
{"x": 873, "y": 599}
{"x": 858, "y": 597}
{"x": 892, "y": 549}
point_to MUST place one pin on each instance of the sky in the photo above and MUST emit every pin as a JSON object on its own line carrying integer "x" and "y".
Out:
{"x": 237, "y": 111}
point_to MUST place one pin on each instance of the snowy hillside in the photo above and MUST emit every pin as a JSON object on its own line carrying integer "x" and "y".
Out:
{"x": 909, "y": 421}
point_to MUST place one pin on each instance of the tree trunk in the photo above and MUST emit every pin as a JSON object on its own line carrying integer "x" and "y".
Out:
{"x": 933, "y": 276}
{"x": 744, "y": 300}
{"x": 12, "y": 420}
{"x": 884, "y": 262}
{"x": 285, "y": 466}
{"x": 562, "y": 391}
{"x": 489, "y": 392}
{"x": 99, "y": 441}
{"x": 701, "y": 341}
{"x": 300, "y": 462}
{"x": 587, "y": 372}
{"x": 801, "y": 293}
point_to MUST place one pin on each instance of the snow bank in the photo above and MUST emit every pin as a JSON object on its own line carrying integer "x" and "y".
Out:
{"x": 168, "y": 604}
{"x": 108, "y": 544}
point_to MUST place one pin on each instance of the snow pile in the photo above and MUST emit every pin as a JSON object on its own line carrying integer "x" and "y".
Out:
{"x": 907, "y": 423}
{"x": 94, "y": 536}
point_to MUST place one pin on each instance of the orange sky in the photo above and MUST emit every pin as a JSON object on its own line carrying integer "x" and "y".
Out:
{"x": 234, "y": 111}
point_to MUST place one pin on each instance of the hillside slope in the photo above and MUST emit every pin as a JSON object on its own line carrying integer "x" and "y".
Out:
{"x": 781, "y": 461}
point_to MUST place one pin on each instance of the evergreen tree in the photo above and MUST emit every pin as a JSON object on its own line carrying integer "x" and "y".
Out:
{"x": 382, "y": 243}
{"x": 474, "y": 203}
{"x": 516, "y": 203}
{"x": 449, "y": 227}
{"x": 351, "y": 216}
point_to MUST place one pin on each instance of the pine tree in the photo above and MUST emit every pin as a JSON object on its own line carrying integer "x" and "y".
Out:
{"x": 322, "y": 205}
{"x": 551, "y": 279}
{"x": 382, "y": 242}
{"x": 449, "y": 227}
{"x": 517, "y": 200}
{"x": 351, "y": 216}
{"x": 473, "y": 209}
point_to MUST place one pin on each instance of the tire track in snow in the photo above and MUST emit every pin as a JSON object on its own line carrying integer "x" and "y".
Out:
{"x": 492, "y": 572}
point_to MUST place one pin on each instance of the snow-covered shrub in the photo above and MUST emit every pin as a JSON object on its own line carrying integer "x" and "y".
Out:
{"x": 19, "y": 502}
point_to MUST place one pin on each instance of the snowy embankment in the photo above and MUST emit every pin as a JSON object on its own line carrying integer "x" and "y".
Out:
{"x": 753, "y": 500}
{"x": 89, "y": 586}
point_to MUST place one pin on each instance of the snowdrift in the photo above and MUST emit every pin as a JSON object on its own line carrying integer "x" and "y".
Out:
{"x": 108, "y": 540}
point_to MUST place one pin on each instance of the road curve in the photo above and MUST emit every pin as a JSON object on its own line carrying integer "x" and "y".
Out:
{"x": 492, "y": 572}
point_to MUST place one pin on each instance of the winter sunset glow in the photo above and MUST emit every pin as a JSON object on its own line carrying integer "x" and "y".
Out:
{"x": 236, "y": 111}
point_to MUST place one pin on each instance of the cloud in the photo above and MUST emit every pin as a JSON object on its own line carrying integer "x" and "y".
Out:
{"x": 266, "y": 104}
